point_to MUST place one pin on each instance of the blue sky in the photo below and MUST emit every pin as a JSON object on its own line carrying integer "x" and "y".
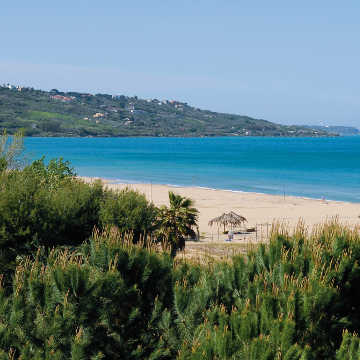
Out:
{"x": 293, "y": 62}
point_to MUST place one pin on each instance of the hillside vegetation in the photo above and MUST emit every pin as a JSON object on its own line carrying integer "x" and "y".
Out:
{"x": 55, "y": 113}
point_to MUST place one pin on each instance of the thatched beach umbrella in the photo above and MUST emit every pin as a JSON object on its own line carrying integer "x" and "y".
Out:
{"x": 226, "y": 219}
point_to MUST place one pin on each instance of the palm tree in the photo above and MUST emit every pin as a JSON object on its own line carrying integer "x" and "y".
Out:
{"x": 177, "y": 221}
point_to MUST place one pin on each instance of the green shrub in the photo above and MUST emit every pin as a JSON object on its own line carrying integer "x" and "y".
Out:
{"x": 130, "y": 211}
{"x": 293, "y": 299}
{"x": 44, "y": 206}
{"x": 104, "y": 304}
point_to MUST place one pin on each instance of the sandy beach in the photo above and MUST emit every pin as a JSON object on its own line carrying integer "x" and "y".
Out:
{"x": 260, "y": 210}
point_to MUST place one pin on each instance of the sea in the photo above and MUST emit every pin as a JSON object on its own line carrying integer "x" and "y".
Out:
{"x": 322, "y": 168}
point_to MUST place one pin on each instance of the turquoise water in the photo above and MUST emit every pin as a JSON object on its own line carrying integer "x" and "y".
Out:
{"x": 309, "y": 167}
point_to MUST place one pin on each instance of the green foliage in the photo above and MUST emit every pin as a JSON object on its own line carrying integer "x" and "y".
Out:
{"x": 40, "y": 114}
{"x": 294, "y": 299}
{"x": 52, "y": 174}
{"x": 89, "y": 306}
{"x": 130, "y": 212}
{"x": 10, "y": 150}
{"x": 176, "y": 222}
{"x": 44, "y": 205}
{"x": 350, "y": 347}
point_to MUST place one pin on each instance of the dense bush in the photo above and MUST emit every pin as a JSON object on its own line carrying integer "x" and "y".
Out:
{"x": 44, "y": 205}
{"x": 294, "y": 299}
{"x": 130, "y": 211}
{"x": 105, "y": 304}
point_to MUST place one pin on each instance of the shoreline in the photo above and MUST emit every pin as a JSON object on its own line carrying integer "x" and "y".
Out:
{"x": 260, "y": 210}
{"x": 133, "y": 182}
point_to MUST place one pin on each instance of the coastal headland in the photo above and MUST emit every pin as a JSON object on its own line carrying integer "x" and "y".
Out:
{"x": 260, "y": 210}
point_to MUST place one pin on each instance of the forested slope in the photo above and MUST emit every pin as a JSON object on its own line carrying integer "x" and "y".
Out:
{"x": 54, "y": 113}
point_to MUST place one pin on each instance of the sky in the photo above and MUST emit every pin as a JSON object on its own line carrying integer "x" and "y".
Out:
{"x": 290, "y": 62}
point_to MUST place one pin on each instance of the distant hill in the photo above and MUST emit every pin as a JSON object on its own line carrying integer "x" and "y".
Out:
{"x": 55, "y": 113}
{"x": 340, "y": 130}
